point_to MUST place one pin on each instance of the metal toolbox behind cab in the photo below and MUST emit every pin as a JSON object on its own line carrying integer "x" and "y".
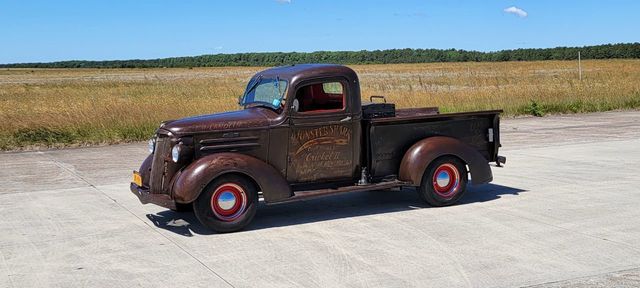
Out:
{"x": 378, "y": 110}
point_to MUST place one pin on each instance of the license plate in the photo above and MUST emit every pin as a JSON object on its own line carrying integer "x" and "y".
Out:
{"x": 137, "y": 179}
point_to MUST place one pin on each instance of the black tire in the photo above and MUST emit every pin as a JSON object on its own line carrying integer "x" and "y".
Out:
{"x": 181, "y": 207}
{"x": 444, "y": 193}
{"x": 216, "y": 195}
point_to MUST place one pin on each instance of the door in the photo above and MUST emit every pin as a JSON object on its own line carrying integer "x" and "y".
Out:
{"x": 321, "y": 139}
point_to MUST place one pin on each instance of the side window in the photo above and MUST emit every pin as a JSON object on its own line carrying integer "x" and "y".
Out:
{"x": 320, "y": 97}
{"x": 332, "y": 88}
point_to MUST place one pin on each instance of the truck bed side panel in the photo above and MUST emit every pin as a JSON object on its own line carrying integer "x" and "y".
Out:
{"x": 389, "y": 139}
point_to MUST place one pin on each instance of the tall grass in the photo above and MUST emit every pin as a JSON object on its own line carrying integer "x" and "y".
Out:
{"x": 62, "y": 107}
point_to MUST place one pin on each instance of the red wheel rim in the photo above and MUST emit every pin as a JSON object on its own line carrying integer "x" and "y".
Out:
{"x": 228, "y": 202}
{"x": 446, "y": 181}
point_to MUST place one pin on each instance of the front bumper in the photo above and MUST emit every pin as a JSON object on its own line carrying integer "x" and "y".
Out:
{"x": 146, "y": 197}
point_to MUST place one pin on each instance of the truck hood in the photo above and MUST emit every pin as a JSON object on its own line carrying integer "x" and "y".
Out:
{"x": 255, "y": 117}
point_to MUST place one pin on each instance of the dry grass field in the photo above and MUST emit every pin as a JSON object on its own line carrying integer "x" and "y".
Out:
{"x": 70, "y": 107}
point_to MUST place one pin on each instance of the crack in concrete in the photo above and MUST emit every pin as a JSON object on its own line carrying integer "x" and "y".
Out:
{"x": 7, "y": 268}
{"x": 635, "y": 269}
{"x": 73, "y": 173}
{"x": 562, "y": 228}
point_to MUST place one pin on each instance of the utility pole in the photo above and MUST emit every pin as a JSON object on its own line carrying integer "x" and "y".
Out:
{"x": 579, "y": 66}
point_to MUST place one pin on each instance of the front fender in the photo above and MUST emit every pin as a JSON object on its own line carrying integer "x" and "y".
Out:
{"x": 195, "y": 177}
{"x": 422, "y": 153}
{"x": 145, "y": 170}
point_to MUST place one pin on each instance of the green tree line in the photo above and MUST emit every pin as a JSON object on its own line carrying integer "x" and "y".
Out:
{"x": 608, "y": 51}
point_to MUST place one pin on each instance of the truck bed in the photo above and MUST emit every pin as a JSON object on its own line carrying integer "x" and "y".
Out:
{"x": 390, "y": 137}
{"x": 411, "y": 113}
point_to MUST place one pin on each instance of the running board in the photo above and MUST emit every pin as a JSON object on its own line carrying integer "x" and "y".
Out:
{"x": 309, "y": 194}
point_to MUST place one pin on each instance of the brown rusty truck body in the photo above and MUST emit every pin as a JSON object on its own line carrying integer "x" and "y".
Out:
{"x": 303, "y": 132}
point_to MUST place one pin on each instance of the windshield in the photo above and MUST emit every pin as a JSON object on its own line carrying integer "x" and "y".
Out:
{"x": 265, "y": 92}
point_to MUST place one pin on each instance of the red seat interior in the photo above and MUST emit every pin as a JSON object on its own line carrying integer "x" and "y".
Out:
{"x": 314, "y": 98}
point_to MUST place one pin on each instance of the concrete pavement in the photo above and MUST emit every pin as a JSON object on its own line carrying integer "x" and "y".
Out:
{"x": 562, "y": 213}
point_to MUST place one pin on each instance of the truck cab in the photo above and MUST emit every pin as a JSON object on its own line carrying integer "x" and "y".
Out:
{"x": 303, "y": 132}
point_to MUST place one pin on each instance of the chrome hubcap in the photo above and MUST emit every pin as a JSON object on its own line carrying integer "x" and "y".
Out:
{"x": 446, "y": 181}
{"x": 226, "y": 200}
{"x": 443, "y": 178}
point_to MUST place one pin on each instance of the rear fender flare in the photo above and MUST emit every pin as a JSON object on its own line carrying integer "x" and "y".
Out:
{"x": 422, "y": 153}
{"x": 191, "y": 181}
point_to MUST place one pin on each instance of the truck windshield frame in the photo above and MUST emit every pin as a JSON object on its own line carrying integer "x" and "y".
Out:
{"x": 267, "y": 92}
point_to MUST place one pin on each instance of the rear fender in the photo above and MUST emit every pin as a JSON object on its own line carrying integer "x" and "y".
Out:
{"x": 421, "y": 154}
{"x": 193, "y": 179}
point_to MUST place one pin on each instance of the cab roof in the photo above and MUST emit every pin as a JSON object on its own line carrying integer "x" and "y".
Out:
{"x": 297, "y": 72}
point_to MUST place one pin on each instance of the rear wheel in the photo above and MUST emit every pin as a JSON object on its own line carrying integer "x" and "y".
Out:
{"x": 444, "y": 181}
{"x": 227, "y": 204}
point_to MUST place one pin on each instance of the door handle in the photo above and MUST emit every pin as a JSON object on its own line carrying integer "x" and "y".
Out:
{"x": 346, "y": 119}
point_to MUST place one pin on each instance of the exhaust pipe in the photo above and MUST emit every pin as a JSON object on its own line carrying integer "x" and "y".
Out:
{"x": 501, "y": 160}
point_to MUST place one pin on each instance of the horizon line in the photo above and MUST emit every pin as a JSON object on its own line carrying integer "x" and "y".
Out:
{"x": 318, "y": 51}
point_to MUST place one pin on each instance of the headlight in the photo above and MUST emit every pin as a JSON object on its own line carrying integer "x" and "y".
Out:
{"x": 152, "y": 145}
{"x": 175, "y": 153}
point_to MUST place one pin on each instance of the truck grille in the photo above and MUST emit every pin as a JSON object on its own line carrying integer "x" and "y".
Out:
{"x": 159, "y": 165}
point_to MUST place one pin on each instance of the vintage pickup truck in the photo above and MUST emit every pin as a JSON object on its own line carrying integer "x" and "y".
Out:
{"x": 303, "y": 132}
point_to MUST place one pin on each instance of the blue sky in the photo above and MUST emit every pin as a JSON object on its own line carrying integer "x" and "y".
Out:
{"x": 41, "y": 31}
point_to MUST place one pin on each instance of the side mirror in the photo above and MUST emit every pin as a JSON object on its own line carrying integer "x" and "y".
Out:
{"x": 295, "y": 105}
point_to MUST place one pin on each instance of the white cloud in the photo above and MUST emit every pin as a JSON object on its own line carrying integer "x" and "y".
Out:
{"x": 284, "y": 1}
{"x": 516, "y": 11}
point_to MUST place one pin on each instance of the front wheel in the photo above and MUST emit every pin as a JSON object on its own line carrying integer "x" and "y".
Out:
{"x": 227, "y": 204}
{"x": 444, "y": 181}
